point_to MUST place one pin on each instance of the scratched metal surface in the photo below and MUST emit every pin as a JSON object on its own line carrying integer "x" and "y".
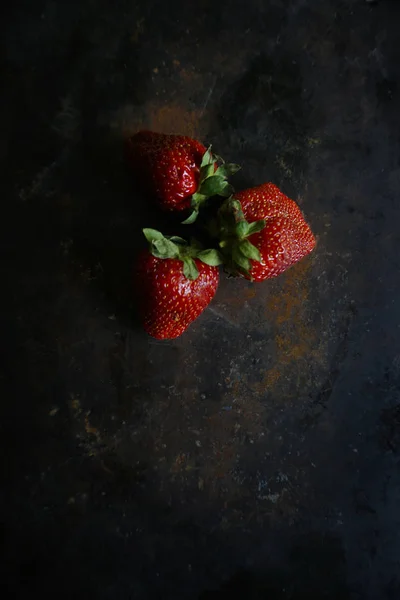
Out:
{"x": 258, "y": 454}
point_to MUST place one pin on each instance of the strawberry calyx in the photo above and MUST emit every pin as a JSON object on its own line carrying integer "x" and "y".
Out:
{"x": 177, "y": 248}
{"x": 233, "y": 231}
{"x": 213, "y": 182}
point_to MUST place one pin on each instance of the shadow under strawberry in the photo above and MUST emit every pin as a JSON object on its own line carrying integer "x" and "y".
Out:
{"x": 105, "y": 227}
{"x": 110, "y": 211}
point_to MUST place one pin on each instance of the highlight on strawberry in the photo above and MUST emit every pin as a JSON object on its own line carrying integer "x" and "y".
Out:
{"x": 175, "y": 281}
{"x": 262, "y": 233}
{"x": 178, "y": 171}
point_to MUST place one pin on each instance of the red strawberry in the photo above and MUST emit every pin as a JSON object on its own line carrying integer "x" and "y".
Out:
{"x": 177, "y": 170}
{"x": 264, "y": 232}
{"x": 176, "y": 282}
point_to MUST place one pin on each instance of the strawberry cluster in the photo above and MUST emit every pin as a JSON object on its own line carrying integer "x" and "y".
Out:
{"x": 257, "y": 233}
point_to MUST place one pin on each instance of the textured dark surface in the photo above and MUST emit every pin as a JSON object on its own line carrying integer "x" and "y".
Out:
{"x": 257, "y": 456}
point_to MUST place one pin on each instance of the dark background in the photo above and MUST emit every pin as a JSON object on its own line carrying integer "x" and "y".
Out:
{"x": 258, "y": 455}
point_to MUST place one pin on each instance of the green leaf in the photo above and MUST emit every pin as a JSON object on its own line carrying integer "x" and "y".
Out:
{"x": 178, "y": 240}
{"x": 226, "y": 191}
{"x": 240, "y": 259}
{"x": 232, "y": 208}
{"x": 190, "y": 270}
{"x": 249, "y": 250}
{"x": 157, "y": 254}
{"x": 242, "y": 229}
{"x": 216, "y": 186}
{"x": 165, "y": 248}
{"x": 210, "y": 257}
{"x": 207, "y": 171}
{"x": 235, "y": 204}
{"x": 256, "y": 226}
{"x": 207, "y": 158}
{"x": 191, "y": 218}
{"x": 227, "y": 169}
{"x": 211, "y": 186}
{"x": 160, "y": 246}
{"x": 197, "y": 200}
{"x": 219, "y": 159}
{"x": 152, "y": 235}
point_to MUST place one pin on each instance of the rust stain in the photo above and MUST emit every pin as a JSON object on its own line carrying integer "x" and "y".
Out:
{"x": 229, "y": 434}
{"x": 173, "y": 118}
{"x": 269, "y": 379}
{"x": 90, "y": 429}
{"x": 246, "y": 294}
{"x": 228, "y": 431}
{"x": 189, "y": 75}
{"x": 290, "y": 303}
{"x": 162, "y": 117}
{"x": 75, "y": 405}
{"x": 179, "y": 463}
{"x": 89, "y": 436}
{"x": 296, "y": 339}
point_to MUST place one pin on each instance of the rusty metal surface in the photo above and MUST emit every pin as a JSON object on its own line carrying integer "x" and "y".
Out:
{"x": 258, "y": 453}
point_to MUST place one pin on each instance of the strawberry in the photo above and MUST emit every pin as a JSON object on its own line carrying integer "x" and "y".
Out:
{"x": 263, "y": 232}
{"x": 176, "y": 282}
{"x": 177, "y": 170}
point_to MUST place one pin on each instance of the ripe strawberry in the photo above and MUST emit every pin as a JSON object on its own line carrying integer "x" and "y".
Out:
{"x": 176, "y": 282}
{"x": 177, "y": 170}
{"x": 263, "y": 232}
